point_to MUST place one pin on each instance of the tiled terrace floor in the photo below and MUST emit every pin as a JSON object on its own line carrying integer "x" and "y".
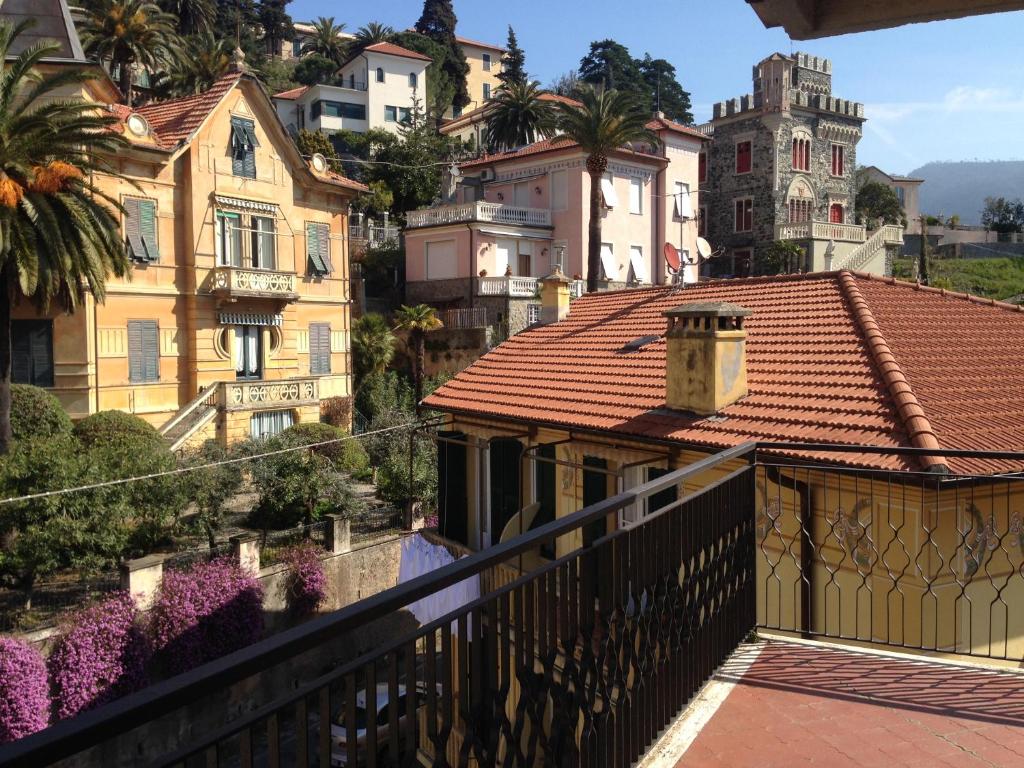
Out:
{"x": 803, "y": 705}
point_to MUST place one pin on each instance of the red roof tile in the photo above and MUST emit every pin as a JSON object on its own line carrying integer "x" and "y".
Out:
{"x": 831, "y": 358}
{"x": 546, "y": 145}
{"x": 662, "y": 123}
{"x": 175, "y": 120}
{"x": 396, "y": 50}
{"x": 294, "y": 93}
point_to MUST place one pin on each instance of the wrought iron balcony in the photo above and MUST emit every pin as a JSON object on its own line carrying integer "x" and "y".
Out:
{"x": 583, "y": 659}
{"x": 238, "y": 282}
{"x": 479, "y": 211}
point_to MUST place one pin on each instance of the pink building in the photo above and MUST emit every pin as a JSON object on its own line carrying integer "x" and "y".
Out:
{"x": 515, "y": 215}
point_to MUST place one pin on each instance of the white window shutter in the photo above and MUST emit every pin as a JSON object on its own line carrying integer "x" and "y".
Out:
{"x": 608, "y": 192}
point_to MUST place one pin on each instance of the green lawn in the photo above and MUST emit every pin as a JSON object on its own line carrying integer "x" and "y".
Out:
{"x": 990, "y": 278}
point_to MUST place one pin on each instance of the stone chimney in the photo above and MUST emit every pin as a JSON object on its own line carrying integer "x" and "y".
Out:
{"x": 554, "y": 296}
{"x": 705, "y": 357}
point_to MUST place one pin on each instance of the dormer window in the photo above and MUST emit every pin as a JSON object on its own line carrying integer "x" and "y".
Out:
{"x": 380, "y": 74}
{"x": 243, "y": 147}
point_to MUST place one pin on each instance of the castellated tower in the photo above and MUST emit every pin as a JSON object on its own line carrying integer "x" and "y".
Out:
{"x": 782, "y": 155}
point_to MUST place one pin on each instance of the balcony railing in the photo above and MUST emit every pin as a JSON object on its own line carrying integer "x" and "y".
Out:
{"x": 246, "y": 395}
{"x": 464, "y": 317}
{"x": 821, "y": 230}
{"x": 520, "y": 287}
{"x": 591, "y": 654}
{"x": 479, "y": 211}
{"x": 235, "y": 282}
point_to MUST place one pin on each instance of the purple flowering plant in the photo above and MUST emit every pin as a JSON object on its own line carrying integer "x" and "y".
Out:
{"x": 306, "y": 584}
{"x": 200, "y": 614}
{"x": 101, "y": 654}
{"x": 24, "y": 693}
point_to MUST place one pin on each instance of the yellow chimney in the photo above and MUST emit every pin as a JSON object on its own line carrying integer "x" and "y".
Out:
{"x": 705, "y": 357}
{"x": 554, "y": 296}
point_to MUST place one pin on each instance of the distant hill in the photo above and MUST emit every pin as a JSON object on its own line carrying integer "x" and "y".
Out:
{"x": 961, "y": 188}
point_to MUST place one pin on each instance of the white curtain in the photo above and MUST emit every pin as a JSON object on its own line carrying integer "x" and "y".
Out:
{"x": 253, "y": 344}
{"x": 264, "y": 424}
{"x": 240, "y": 349}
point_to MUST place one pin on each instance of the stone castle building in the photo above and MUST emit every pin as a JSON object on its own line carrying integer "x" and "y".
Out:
{"x": 781, "y": 167}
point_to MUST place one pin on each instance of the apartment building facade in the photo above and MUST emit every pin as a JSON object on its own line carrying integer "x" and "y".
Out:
{"x": 234, "y": 320}
{"x": 375, "y": 89}
{"x": 485, "y": 64}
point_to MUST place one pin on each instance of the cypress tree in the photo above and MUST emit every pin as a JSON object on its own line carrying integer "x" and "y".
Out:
{"x": 438, "y": 23}
{"x": 514, "y": 61}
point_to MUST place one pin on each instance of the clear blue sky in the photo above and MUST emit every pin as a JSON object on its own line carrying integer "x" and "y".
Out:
{"x": 942, "y": 91}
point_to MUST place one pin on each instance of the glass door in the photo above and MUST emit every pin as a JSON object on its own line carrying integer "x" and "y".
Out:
{"x": 248, "y": 352}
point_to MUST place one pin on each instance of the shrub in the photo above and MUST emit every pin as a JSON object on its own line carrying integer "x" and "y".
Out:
{"x": 126, "y": 446}
{"x": 307, "y": 584}
{"x": 101, "y": 655}
{"x": 24, "y": 697}
{"x": 203, "y": 613}
{"x": 36, "y": 413}
{"x": 354, "y": 459}
{"x": 211, "y": 487}
{"x": 311, "y": 432}
{"x": 337, "y": 411}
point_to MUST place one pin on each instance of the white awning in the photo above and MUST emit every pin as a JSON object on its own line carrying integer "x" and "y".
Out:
{"x": 684, "y": 209}
{"x": 611, "y": 268}
{"x": 245, "y": 205}
{"x": 249, "y": 318}
{"x": 636, "y": 260}
{"x": 608, "y": 192}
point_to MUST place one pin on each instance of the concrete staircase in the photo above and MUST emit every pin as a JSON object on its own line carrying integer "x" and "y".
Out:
{"x": 879, "y": 240}
{"x": 190, "y": 419}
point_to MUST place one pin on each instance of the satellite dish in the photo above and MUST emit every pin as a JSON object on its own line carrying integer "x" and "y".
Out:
{"x": 319, "y": 162}
{"x": 703, "y": 248}
{"x": 672, "y": 257}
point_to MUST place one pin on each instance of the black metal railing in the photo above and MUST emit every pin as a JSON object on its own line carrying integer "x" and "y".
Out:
{"x": 588, "y": 655}
{"x": 915, "y": 560}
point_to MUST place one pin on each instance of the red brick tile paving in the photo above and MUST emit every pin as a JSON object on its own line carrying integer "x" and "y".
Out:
{"x": 800, "y": 705}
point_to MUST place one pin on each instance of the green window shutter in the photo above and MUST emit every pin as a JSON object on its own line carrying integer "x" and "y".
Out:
{"x": 143, "y": 351}
{"x": 319, "y": 348}
{"x": 324, "y": 236}
{"x": 243, "y": 147}
{"x": 133, "y": 230}
{"x": 317, "y": 265}
{"x": 147, "y": 228}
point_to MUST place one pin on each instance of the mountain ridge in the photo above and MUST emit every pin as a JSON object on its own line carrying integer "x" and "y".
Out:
{"x": 961, "y": 187}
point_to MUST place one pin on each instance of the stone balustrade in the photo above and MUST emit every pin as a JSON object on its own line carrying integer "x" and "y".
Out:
{"x": 244, "y": 395}
{"x": 479, "y": 211}
{"x": 239, "y": 281}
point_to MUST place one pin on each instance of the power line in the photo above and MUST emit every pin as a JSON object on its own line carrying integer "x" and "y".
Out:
{"x": 183, "y": 470}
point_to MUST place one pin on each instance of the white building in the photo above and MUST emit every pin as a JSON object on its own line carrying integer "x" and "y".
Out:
{"x": 377, "y": 88}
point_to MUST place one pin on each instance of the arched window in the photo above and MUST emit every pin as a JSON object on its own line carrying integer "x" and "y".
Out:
{"x": 801, "y": 153}
{"x": 412, "y": 80}
{"x": 380, "y": 74}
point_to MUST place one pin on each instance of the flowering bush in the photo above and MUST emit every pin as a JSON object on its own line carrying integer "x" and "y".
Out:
{"x": 24, "y": 697}
{"x": 307, "y": 584}
{"x": 203, "y": 613}
{"x": 101, "y": 654}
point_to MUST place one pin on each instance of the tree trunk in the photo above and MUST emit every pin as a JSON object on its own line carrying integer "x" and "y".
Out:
{"x": 125, "y": 82}
{"x": 594, "y": 241}
{"x": 5, "y": 362}
{"x": 421, "y": 355}
{"x": 922, "y": 261}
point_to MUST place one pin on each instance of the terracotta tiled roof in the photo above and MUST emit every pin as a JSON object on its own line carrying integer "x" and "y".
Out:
{"x": 294, "y": 93}
{"x": 344, "y": 181}
{"x": 396, "y": 50}
{"x": 545, "y": 145}
{"x": 175, "y": 120}
{"x": 831, "y": 358}
{"x": 661, "y": 123}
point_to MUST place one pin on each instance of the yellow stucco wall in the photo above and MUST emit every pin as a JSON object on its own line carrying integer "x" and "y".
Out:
{"x": 196, "y": 349}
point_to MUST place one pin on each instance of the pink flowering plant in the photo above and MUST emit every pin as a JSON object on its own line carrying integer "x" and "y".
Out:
{"x": 203, "y": 613}
{"x": 306, "y": 584}
{"x": 24, "y": 694}
{"x": 100, "y": 655}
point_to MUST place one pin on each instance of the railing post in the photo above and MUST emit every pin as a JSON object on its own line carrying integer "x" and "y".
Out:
{"x": 245, "y": 548}
{"x": 141, "y": 578}
{"x": 338, "y": 535}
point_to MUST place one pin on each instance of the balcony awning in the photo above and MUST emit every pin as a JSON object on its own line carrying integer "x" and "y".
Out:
{"x": 238, "y": 203}
{"x": 249, "y": 318}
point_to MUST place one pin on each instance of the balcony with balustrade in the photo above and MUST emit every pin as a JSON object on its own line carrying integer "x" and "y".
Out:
{"x": 479, "y": 211}
{"x": 230, "y": 282}
{"x": 515, "y": 287}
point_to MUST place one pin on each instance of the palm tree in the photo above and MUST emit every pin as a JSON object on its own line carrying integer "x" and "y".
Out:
{"x": 327, "y": 41}
{"x": 602, "y": 122}
{"x": 126, "y": 33}
{"x": 417, "y": 321}
{"x": 520, "y": 116}
{"x": 59, "y": 234}
{"x": 195, "y": 17}
{"x": 373, "y": 345}
{"x": 371, "y": 34}
{"x": 206, "y": 60}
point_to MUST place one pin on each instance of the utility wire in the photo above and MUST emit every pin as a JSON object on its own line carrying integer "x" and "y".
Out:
{"x": 183, "y": 470}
